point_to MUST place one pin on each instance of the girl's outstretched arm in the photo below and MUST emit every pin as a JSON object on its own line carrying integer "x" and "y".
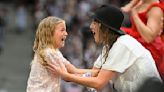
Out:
{"x": 72, "y": 69}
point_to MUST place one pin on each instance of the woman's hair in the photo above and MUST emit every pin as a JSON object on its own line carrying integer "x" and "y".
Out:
{"x": 44, "y": 35}
{"x": 107, "y": 37}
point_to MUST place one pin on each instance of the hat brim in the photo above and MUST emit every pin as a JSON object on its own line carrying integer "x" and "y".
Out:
{"x": 120, "y": 32}
{"x": 93, "y": 16}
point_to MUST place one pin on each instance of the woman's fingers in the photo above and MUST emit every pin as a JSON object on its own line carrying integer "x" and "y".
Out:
{"x": 57, "y": 64}
{"x": 51, "y": 68}
{"x": 61, "y": 64}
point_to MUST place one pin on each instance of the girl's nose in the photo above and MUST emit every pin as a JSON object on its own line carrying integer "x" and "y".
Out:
{"x": 66, "y": 33}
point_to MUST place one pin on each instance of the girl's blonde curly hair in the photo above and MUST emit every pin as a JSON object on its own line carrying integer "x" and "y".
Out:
{"x": 44, "y": 36}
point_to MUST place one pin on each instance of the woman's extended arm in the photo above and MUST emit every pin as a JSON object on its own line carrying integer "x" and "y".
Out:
{"x": 95, "y": 82}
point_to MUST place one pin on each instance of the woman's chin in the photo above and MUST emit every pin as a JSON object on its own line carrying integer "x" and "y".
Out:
{"x": 97, "y": 41}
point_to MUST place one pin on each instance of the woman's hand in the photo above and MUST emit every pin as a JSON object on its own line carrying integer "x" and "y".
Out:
{"x": 57, "y": 67}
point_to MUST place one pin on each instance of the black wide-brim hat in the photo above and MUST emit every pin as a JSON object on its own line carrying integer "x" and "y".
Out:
{"x": 110, "y": 16}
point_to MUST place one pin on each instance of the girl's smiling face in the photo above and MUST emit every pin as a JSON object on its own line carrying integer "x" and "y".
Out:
{"x": 60, "y": 35}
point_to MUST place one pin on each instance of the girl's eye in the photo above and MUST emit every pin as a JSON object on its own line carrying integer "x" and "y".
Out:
{"x": 61, "y": 30}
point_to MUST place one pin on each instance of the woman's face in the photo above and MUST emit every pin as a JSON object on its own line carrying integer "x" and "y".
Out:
{"x": 95, "y": 27}
{"x": 60, "y": 35}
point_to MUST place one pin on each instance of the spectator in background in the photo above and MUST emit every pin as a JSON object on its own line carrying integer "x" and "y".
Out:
{"x": 2, "y": 28}
{"x": 21, "y": 19}
{"x": 147, "y": 26}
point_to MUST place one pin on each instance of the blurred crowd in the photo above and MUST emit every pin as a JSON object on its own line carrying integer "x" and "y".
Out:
{"x": 80, "y": 48}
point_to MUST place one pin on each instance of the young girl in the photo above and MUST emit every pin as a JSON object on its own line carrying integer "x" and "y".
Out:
{"x": 123, "y": 60}
{"x": 147, "y": 19}
{"x": 50, "y": 36}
